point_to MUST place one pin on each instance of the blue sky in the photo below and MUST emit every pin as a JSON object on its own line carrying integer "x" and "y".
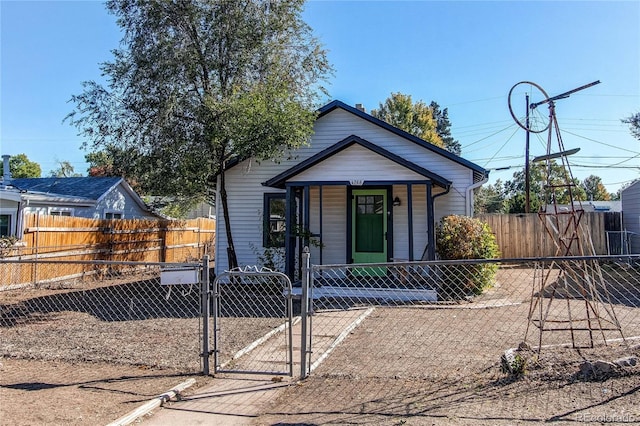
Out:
{"x": 464, "y": 55}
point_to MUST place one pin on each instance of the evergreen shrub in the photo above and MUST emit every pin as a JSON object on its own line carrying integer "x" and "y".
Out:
{"x": 462, "y": 237}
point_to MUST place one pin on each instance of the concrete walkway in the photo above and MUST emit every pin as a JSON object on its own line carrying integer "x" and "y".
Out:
{"x": 237, "y": 399}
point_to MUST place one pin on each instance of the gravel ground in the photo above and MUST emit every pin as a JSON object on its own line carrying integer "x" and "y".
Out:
{"x": 86, "y": 355}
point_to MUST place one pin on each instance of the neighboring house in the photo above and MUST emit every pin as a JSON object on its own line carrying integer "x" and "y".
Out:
{"x": 203, "y": 209}
{"x": 630, "y": 197}
{"x": 591, "y": 206}
{"x": 90, "y": 197}
{"x": 363, "y": 190}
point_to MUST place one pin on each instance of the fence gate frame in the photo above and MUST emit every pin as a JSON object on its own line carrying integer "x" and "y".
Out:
{"x": 248, "y": 275}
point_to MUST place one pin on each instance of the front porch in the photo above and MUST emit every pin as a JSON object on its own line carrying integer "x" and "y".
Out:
{"x": 332, "y": 220}
{"x": 356, "y": 202}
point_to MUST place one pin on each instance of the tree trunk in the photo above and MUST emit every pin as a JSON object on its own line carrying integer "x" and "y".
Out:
{"x": 231, "y": 250}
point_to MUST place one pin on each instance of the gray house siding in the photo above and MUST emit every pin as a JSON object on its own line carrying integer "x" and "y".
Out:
{"x": 89, "y": 197}
{"x": 116, "y": 201}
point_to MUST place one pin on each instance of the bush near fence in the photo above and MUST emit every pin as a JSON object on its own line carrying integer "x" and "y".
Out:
{"x": 523, "y": 235}
{"x": 70, "y": 239}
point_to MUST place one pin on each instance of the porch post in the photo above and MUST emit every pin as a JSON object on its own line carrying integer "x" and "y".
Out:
{"x": 306, "y": 203}
{"x": 431, "y": 241}
{"x": 410, "y": 220}
{"x": 320, "y": 219}
{"x": 289, "y": 237}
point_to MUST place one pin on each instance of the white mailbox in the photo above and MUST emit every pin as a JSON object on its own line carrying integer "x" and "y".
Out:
{"x": 173, "y": 276}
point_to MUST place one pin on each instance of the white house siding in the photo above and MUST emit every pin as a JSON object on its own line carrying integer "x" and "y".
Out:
{"x": 340, "y": 124}
{"x": 631, "y": 214}
{"x": 334, "y": 224}
{"x": 245, "y": 190}
{"x": 356, "y": 163}
{"x": 10, "y": 208}
{"x": 401, "y": 222}
{"x": 245, "y": 197}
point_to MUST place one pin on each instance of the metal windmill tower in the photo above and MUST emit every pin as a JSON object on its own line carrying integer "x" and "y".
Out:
{"x": 569, "y": 296}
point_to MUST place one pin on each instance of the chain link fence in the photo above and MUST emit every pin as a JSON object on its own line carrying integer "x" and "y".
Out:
{"x": 401, "y": 336}
{"x": 457, "y": 343}
{"x": 460, "y": 317}
{"x": 115, "y": 312}
{"x": 258, "y": 302}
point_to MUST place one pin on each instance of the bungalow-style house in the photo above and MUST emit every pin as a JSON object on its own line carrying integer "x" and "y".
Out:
{"x": 90, "y": 197}
{"x": 630, "y": 197}
{"x": 362, "y": 191}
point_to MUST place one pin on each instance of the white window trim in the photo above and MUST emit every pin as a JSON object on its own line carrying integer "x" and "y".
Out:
{"x": 13, "y": 220}
{"x": 60, "y": 210}
{"x": 120, "y": 212}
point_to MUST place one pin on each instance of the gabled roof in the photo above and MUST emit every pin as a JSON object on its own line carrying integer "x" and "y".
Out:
{"x": 280, "y": 180}
{"x": 85, "y": 187}
{"x": 634, "y": 183}
{"x": 73, "y": 189}
{"x": 479, "y": 172}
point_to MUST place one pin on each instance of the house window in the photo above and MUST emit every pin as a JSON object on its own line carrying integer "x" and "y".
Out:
{"x": 5, "y": 225}
{"x": 113, "y": 215}
{"x": 60, "y": 212}
{"x": 274, "y": 220}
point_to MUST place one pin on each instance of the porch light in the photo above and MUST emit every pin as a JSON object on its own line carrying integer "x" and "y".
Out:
{"x": 396, "y": 202}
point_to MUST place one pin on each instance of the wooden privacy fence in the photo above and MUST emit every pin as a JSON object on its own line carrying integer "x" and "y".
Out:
{"x": 67, "y": 239}
{"x": 524, "y": 235}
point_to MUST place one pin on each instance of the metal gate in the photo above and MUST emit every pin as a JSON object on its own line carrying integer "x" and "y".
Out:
{"x": 258, "y": 302}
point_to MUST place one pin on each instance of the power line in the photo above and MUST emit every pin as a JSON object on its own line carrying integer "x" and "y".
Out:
{"x": 505, "y": 142}
{"x": 491, "y": 135}
{"x": 600, "y": 142}
{"x": 597, "y": 166}
{"x": 475, "y": 101}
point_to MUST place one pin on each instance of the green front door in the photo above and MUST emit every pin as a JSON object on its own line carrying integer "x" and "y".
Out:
{"x": 369, "y": 226}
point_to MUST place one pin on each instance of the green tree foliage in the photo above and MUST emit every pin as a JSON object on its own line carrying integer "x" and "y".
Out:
{"x": 462, "y": 237}
{"x": 510, "y": 196}
{"x": 634, "y": 124}
{"x": 100, "y": 163}
{"x": 415, "y": 118}
{"x": 542, "y": 178}
{"x": 594, "y": 189}
{"x": 490, "y": 198}
{"x": 21, "y": 167}
{"x": 443, "y": 128}
{"x": 518, "y": 203}
{"x": 64, "y": 170}
{"x": 195, "y": 84}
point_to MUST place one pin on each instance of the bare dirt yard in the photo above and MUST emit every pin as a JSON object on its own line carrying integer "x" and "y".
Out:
{"x": 552, "y": 391}
{"x": 86, "y": 353}
{"x": 36, "y": 392}
{"x": 402, "y": 365}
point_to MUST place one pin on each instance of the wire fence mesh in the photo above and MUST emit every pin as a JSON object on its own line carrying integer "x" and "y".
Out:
{"x": 442, "y": 343}
{"x": 385, "y": 340}
{"x": 116, "y": 312}
{"x": 459, "y": 317}
{"x": 260, "y": 302}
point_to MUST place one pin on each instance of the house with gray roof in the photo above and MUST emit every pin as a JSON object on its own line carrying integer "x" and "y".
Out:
{"x": 89, "y": 197}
